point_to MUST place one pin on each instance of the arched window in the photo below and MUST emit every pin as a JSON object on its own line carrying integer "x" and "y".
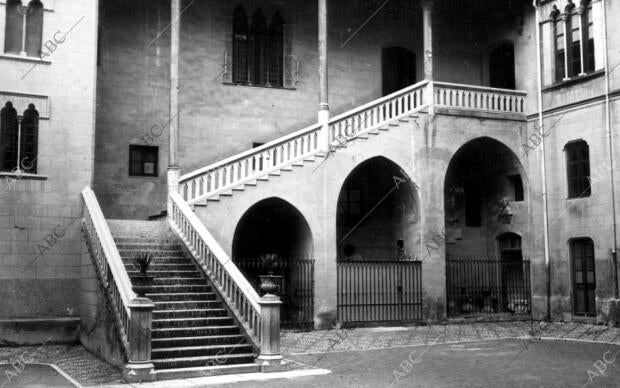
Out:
{"x": 23, "y": 28}
{"x": 240, "y": 46}
{"x": 9, "y": 129}
{"x": 509, "y": 246}
{"x": 14, "y": 27}
{"x": 574, "y": 40}
{"x": 276, "y": 46}
{"x": 578, "y": 169}
{"x": 258, "y": 49}
{"x": 29, "y": 140}
{"x": 34, "y": 28}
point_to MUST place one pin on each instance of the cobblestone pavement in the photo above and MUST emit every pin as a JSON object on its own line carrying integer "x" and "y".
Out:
{"x": 89, "y": 370}
{"x": 297, "y": 342}
{"x": 75, "y": 360}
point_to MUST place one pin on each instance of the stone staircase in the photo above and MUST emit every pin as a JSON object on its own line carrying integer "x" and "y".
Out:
{"x": 193, "y": 332}
{"x": 312, "y": 161}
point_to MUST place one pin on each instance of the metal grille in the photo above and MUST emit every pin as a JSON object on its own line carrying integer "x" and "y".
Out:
{"x": 296, "y": 290}
{"x": 487, "y": 286}
{"x": 379, "y": 291}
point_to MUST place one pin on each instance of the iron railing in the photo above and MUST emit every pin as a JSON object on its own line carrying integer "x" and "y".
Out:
{"x": 379, "y": 291}
{"x": 487, "y": 286}
{"x": 296, "y": 288}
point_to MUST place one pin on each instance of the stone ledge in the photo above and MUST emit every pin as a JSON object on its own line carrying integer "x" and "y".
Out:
{"x": 35, "y": 331}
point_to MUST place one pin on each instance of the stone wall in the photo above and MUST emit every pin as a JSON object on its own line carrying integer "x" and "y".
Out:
{"x": 40, "y": 237}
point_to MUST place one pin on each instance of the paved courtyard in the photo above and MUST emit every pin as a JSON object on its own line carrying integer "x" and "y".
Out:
{"x": 511, "y": 354}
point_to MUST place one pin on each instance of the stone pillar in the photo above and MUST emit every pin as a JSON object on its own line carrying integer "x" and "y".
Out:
{"x": 139, "y": 366}
{"x": 270, "y": 358}
{"x": 173, "y": 163}
{"x": 323, "y": 115}
{"x": 427, "y": 31}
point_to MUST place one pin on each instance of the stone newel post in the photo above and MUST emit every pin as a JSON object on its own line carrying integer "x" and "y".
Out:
{"x": 139, "y": 366}
{"x": 270, "y": 358}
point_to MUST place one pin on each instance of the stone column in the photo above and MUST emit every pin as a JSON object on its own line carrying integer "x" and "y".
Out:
{"x": 270, "y": 358}
{"x": 323, "y": 115}
{"x": 427, "y": 31}
{"x": 139, "y": 366}
{"x": 173, "y": 163}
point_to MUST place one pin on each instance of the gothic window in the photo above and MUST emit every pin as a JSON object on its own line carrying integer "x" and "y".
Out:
{"x": 574, "y": 41}
{"x": 240, "y": 46}
{"x": 19, "y": 137}
{"x": 9, "y": 129}
{"x": 578, "y": 169}
{"x": 23, "y": 28}
{"x": 257, "y": 49}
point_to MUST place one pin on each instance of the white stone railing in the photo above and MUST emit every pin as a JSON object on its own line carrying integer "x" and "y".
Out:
{"x": 238, "y": 293}
{"x": 378, "y": 112}
{"x": 478, "y": 98}
{"x": 249, "y": 165}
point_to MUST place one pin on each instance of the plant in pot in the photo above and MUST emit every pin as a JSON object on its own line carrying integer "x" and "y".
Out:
{"x": 142, "y": 282}
{"x": 270, "y": 283}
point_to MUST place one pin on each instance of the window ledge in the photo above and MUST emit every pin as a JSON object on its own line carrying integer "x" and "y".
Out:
{"x": 22, "y": 58}
{"x": 575, "y": 80}
{"x": 258, "y": 86}
{"x": 23, "y": 175}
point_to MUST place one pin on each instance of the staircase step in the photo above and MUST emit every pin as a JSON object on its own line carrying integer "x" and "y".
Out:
{"x": 187, "y": 304}
{"x": 179, "y": 281}
{"x": 162, "y": 267}
{"x": 251, "y": 183}
{"x": 298, "y": 163}
{"x": 227, "y": 193}
{"x": 383, "y": 128}
{"x": 196, "y": 341}
{"x": 162, "y": 260}
{"x": 309, "y": 159}
{"x": 184, "y": 362}
{"x": 275, "y": 173}
{"x": 169, "y": 274}
{"x": 125, "y": 254}
{"x": 180, "y": 288}
{"x": 192, "y": 322}
{"x": 175, "y": 332}
{"x": 263, "y": 178}
{"x": 217, "y": 370}
{"x": 373, "y": 132}
{"x": 148, "y": 247}
{"x": 181, "y": 296}
{"x": 189, "y": 313}
{"x": 239, "y": 188}
{"x": 286, "y": 168}
{"x": 223, "y": 351}
{"x": 215, "y": 198}
{"x": 403, "y": 120}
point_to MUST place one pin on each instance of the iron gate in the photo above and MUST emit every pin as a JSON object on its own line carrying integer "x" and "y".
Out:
{"x": 296, "y": 289}
{"x": 487, "y": 285}
{"x": 379, "y": 291}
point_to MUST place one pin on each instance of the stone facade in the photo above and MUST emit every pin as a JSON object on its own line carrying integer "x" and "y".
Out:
{"x": 40, "y": 236}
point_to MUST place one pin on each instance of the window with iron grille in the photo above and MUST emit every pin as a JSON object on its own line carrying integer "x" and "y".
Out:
{"x": 23, "y": 32}
{"x": 143, "y": 160}
{"x": 19, "y": 139}
{"x": 257, "y": 49}
{"x": 578, "y": 169}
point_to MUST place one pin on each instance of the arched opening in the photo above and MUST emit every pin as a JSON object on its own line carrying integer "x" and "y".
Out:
{"x": 399, "y": 69}
{"x": 273, "y": 236}
{"x": 502, "y": 66}
{"x": 377, "y": 217}
{"x": 377, "y": 231}
{"x": 484, "y": 198}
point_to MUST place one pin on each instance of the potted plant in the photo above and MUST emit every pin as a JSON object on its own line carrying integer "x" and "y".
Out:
{"x": 270, "y": 283}
{"x": 142, "y": 282}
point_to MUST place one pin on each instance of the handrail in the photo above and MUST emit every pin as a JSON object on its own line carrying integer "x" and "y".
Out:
{"x": 478, "y": 98}
{"x": 110, "y": 267}
{"x": 250, "y": 152}
{"x": 224, "y": 274}
{"x": 378, "y": 101}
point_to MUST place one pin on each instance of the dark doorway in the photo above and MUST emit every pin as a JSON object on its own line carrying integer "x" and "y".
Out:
{"x": 399, "y": 69}
{"x": 502, "y": 66}
{"x": 584, "y": 281}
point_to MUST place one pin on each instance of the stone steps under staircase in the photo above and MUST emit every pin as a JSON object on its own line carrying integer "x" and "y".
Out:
{"x": 193, "y": 333}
